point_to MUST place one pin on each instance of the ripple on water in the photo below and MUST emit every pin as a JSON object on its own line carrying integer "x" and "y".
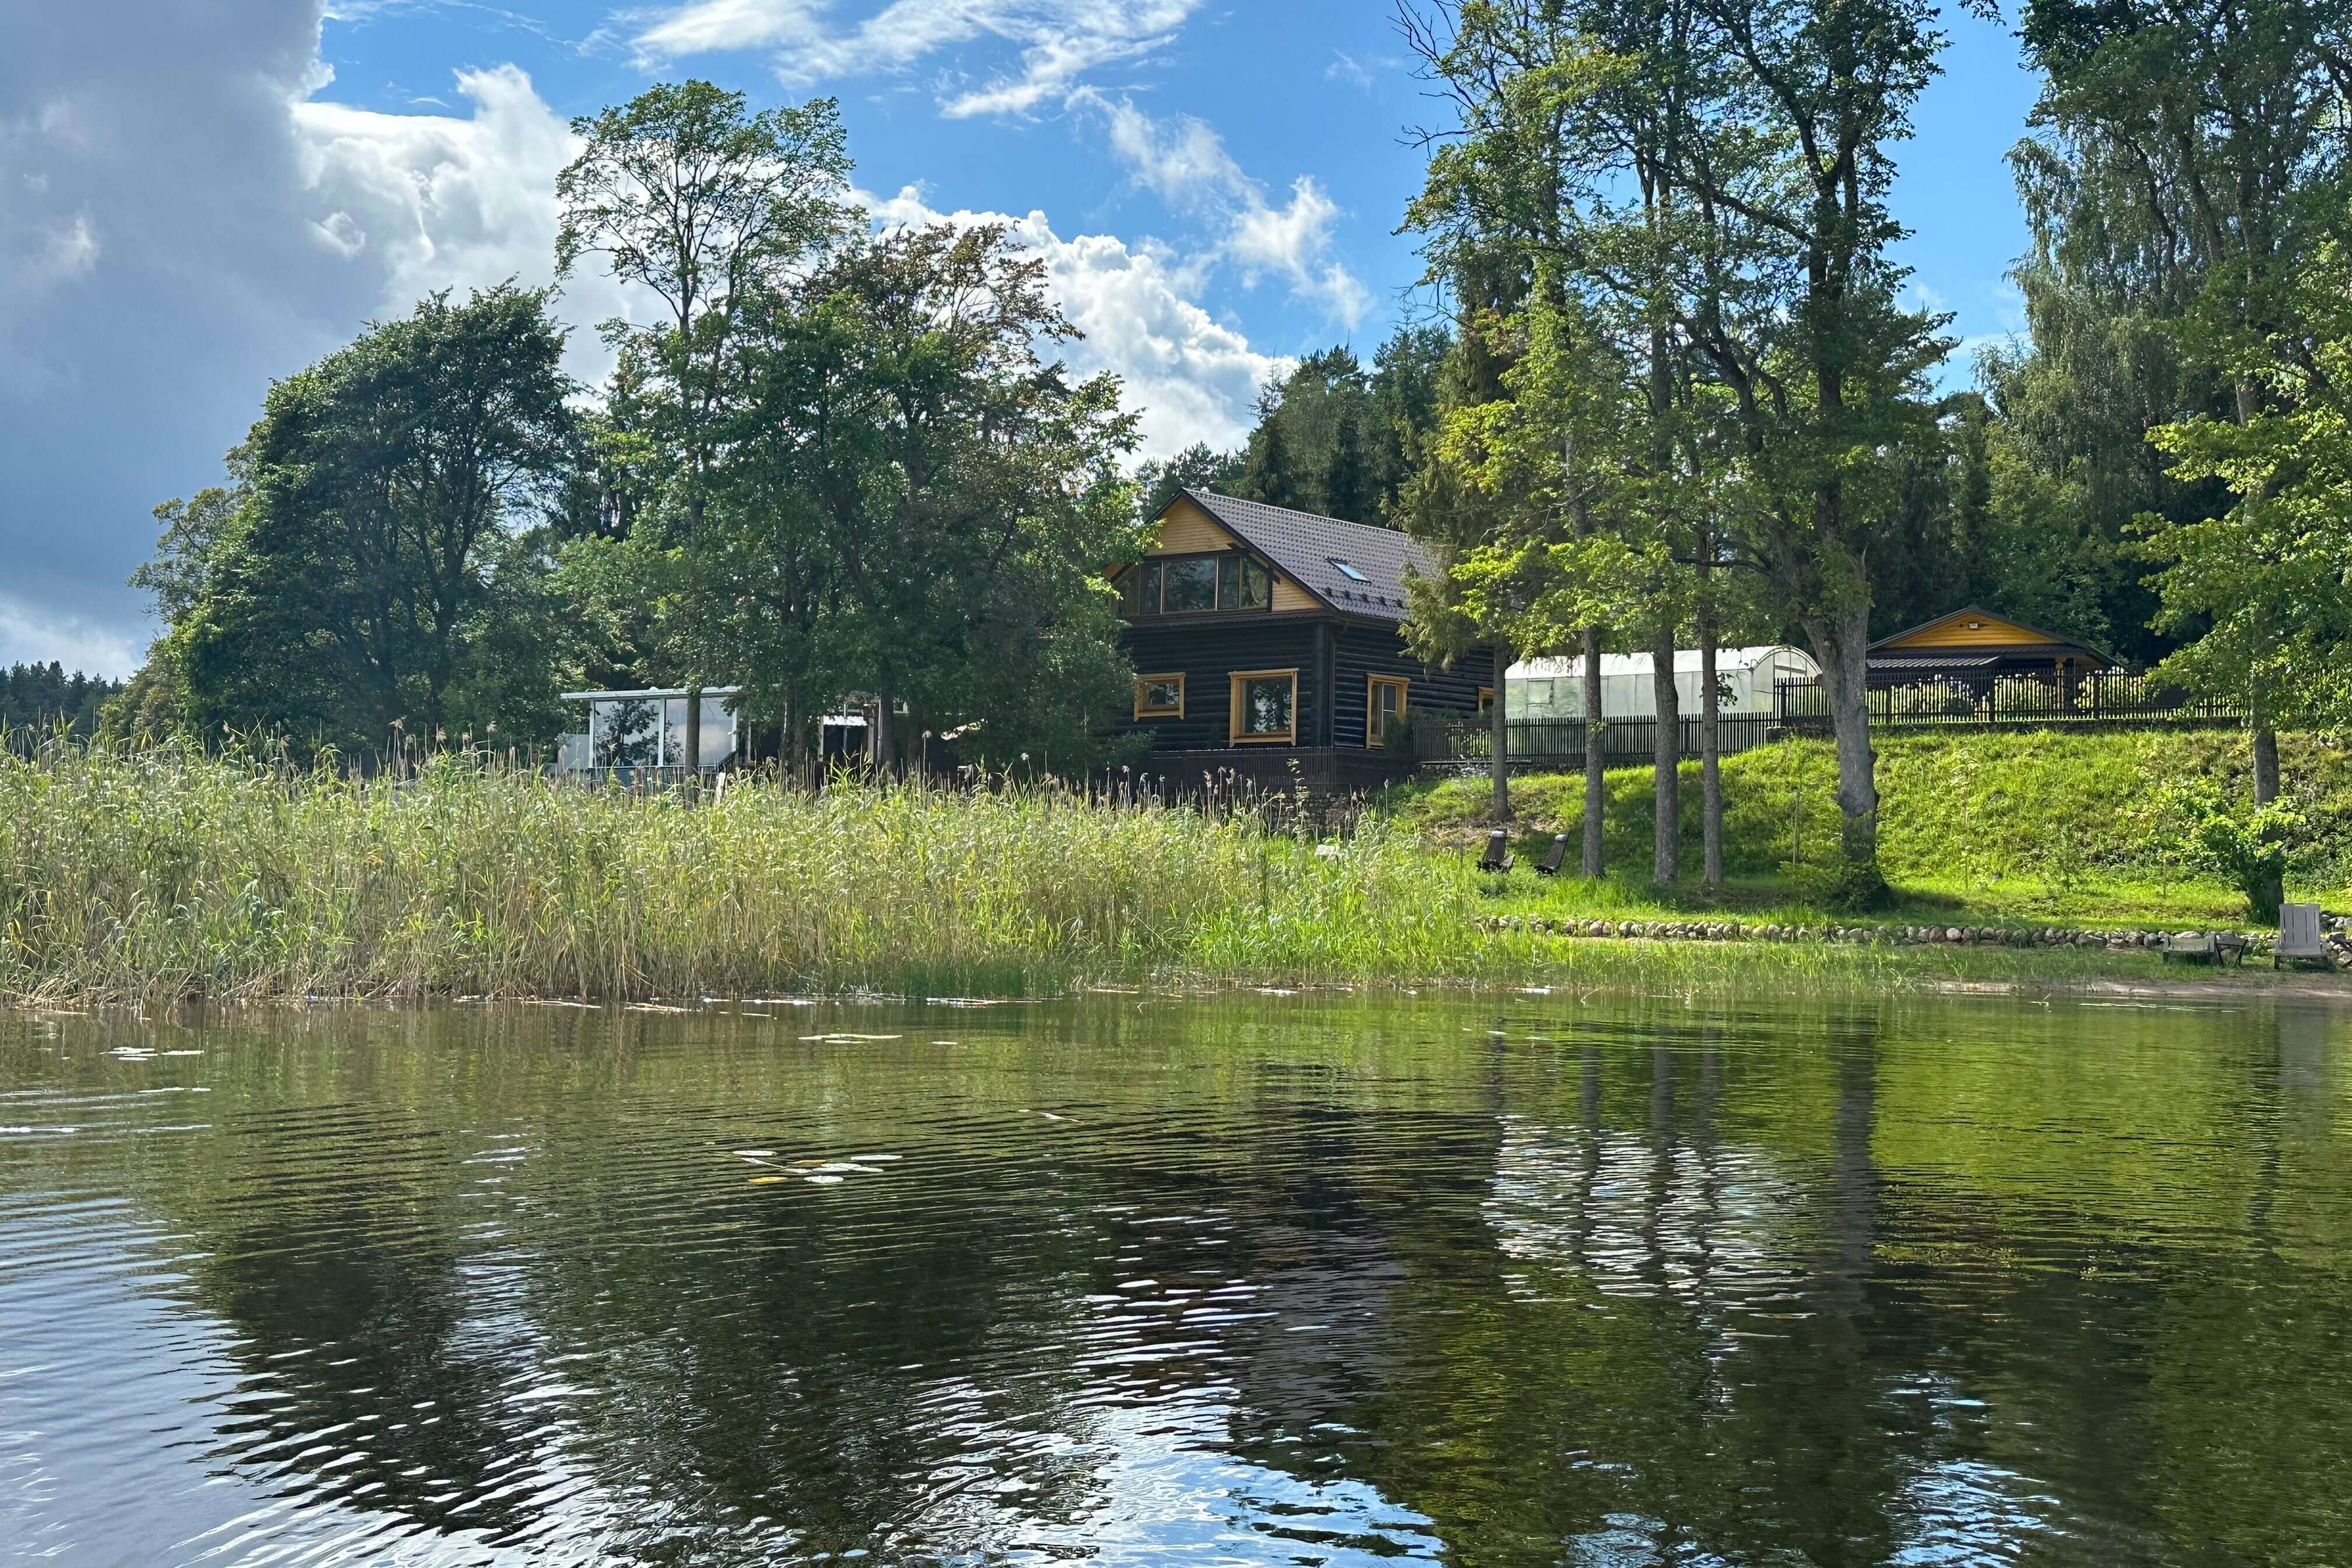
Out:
{"x": 1280, "y": 1280}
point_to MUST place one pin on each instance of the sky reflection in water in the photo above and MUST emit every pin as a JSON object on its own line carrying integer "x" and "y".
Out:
{"x": 1248, "y": 1280}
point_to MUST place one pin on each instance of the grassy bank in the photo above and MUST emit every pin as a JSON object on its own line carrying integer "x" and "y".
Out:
{"x": 2018, "y": 827}
{"x": 128, "y": 877}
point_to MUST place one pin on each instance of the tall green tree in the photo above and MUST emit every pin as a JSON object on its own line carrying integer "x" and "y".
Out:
{"x": 374, "y": 569}
{"x": 921, "y": 504}
{"x": 1718, "y": 170}
{"x": 1532, "y": 504}
{"x": 684, "y": 192}
{"x": 2193, "y": 162}
{"x": 2266, "y": 586}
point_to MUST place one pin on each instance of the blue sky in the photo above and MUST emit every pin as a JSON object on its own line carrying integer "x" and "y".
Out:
{"x": 195, "y": 199}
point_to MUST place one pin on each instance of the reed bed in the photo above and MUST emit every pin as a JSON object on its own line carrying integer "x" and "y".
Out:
{"x": 132, "y": 877}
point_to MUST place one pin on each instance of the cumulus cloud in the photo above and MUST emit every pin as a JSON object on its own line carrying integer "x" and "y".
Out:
{"x": 32, "y": 636}
{"x": 1184, "y": 162}
{"x": 181, "y": 221}
{"x": 424, "y": 201}
{"x": 1192, "y": 377}
{"x": 1057, "y": 43}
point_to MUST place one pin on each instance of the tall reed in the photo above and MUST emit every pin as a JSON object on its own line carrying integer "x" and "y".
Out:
{"x": 148, "y": 877}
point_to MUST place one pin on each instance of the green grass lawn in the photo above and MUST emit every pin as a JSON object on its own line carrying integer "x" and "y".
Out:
{"x": 2018, "y": 828}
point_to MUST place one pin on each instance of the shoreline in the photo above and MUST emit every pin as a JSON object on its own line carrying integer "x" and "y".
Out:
{"x": 1621, "y": 966}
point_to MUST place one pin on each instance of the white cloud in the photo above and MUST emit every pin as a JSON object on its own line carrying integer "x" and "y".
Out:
{"x": 182, "y": 220}
{"x": 425, "y": 201}
{"x": 1192, "y": 377}
{"x": 29, "y": 635}
{"x": 1185, "y": 163}
{"x": 1344, "y": 66}
{"x": 51, "y": 253}
{"x": 1059, "y": 42}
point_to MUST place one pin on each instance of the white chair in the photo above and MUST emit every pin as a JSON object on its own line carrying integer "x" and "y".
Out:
{"x": 2299, "y": 936}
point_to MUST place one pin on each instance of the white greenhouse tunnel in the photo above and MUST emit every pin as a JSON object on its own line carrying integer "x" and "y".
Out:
{"x": 1551, "y": 690}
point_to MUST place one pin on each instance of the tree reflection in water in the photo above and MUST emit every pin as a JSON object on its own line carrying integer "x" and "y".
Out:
{"x": 1247, "y": 1280}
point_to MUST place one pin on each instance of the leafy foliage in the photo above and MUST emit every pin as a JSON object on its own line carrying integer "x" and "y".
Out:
{"x": 374, "y": 568}
{"x": 1332, "y": 437}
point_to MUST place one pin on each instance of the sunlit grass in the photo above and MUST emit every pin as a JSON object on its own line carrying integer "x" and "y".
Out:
{"x": 2024, "y": 827}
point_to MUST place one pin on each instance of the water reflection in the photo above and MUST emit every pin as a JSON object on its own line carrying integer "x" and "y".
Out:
{"x": 1226, "y": 1283}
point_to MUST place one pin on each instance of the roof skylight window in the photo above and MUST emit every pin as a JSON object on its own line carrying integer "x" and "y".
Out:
{"x": 1352, "y": 575}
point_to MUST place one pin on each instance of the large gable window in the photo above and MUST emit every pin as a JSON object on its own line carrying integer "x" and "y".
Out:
{"x": 1265, "y": 706}
{"x": 1195, "y": 585}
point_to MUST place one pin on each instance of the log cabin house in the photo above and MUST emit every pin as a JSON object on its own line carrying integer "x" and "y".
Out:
{"x": 1269, "y": 643}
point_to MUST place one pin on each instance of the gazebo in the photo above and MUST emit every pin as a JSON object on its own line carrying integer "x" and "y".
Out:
{"x": 1973, "y": 647}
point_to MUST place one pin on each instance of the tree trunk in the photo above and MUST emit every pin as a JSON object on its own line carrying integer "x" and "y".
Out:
{"x": 1667, "y": 759}
{"x": 1710, "y": 748}
{"x": 881, "y": 732}
{"x": 694, "y": 728}
{"x": 1841, "y": 645}
{"x": 1596, "y": 761}
{"x": 1499, "y": 735}
{"x": 2273, "y": 893}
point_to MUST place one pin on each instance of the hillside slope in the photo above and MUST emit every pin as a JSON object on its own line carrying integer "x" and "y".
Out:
{"x": 1964, "y": 808}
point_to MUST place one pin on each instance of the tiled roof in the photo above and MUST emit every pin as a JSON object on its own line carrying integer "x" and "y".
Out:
{"x": 1306, "y": 548}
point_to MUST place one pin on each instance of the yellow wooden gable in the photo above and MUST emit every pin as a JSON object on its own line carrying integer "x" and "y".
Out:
{"x": 1186, "y": 529}
{"x": 1966, "y": 628}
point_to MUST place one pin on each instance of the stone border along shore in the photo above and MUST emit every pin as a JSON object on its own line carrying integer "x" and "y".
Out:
{"x": 2338, "y": 930}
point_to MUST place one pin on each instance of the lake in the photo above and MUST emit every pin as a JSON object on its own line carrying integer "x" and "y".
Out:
{"x": 1247, "y": 1279}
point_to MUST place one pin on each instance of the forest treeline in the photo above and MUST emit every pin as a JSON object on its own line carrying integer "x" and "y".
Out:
{"x": 35, "y": 699}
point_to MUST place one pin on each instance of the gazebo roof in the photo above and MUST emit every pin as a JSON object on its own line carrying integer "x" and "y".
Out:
{"x": 1974, "y": 637}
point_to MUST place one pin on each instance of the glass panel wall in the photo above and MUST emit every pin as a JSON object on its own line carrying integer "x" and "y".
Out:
{"x": 624, "y": 734}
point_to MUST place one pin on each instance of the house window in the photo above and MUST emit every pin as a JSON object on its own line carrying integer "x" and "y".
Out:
{"x": 1193, "y": 584}
{"x": 1159, "y": 697}
{"x": 1346, "y": 571}
{"x": 1253, "y": 587}
{"x": 1266, "y": 706}
{"x": 1383, "y": 706}
{"x": 1189, "y": 585}
{"x": 1485, "y": 699}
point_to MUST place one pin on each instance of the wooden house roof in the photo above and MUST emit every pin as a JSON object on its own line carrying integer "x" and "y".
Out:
{"x": 1311, "y": 550}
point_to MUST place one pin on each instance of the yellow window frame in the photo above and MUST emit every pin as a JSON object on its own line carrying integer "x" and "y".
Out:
{"x": 1373, "y": 734}
{"x": 1143, "y": 710}
{"x": 1234, "y": 715}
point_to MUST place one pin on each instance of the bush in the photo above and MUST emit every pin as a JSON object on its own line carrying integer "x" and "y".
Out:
{"x": 2246, "y": 849}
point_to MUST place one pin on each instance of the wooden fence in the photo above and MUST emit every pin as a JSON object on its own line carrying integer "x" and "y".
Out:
{"x": 1556, "y": 744}
{"x": 2021, "y": 701}
{"x": 1800, "y": 708}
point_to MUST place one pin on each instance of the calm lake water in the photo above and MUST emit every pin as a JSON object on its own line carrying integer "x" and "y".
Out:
{"x": 1252, "y": 1280}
